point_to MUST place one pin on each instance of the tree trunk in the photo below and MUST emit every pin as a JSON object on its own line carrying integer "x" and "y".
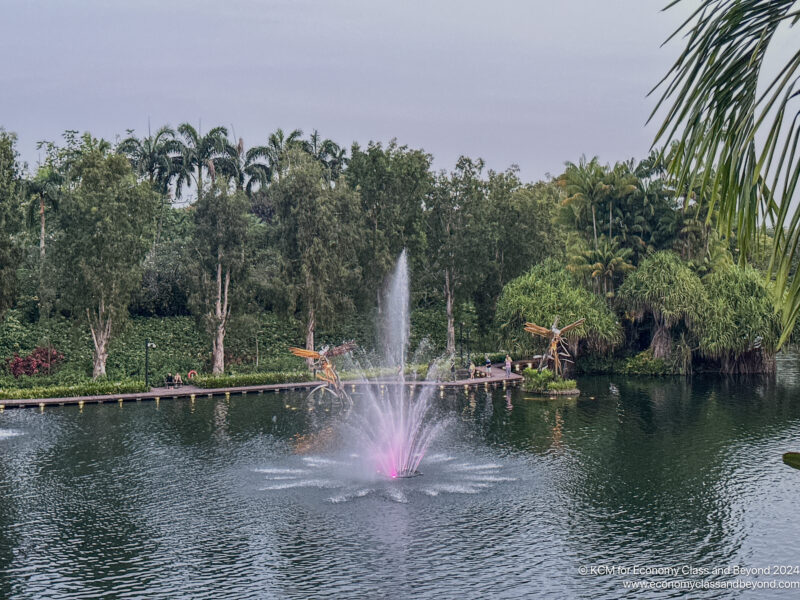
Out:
{"x": 451, "y": 327}
{"x": 218, "y": 350}
{"x": 662, "y": 340}
{"x": 610, "y": 206}
{"x": 100, "y": 326}
{"x": 594, "y": 225}
{"x": 41, "y": 226}
{"x": 221, "y": 314}
{"x": 310, "y": 325}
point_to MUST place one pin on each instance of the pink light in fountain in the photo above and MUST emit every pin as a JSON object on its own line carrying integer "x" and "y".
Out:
{"x": 392, "y": 426}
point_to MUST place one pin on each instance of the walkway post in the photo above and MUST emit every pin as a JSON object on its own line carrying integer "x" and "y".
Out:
{"x": 147, "y": 365}
{"x": 147, "y": 345}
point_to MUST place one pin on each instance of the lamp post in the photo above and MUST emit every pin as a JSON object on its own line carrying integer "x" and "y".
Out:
{"x": 469, "y": 348}
{"x": 147, "y": 345}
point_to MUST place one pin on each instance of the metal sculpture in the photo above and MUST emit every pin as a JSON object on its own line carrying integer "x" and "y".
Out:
{"x": 324, "y": 369}
{"x": 556, "y": 347}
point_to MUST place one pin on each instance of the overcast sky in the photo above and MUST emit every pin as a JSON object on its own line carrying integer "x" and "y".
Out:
{"x": 532, "y": 82}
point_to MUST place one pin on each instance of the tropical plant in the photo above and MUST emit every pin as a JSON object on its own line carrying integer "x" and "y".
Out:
{"x": 43, "y": 189}
{"x": 329, "y": 154}
{"x": 739, "y": 326}
{"x": 198, "y": 154}
{"x": 726, "y": 112}
{"x": 604, "y": 267}
{"x": 666, "y": 288}
{"x": 585, "y": 185}
{"x": 548, "y": 291}
{"x": 279, "y": 150}
{"x": 152, "y": 157}
{"x": 245, "y": 168}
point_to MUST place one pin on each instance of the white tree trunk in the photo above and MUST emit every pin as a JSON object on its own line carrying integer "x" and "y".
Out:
{"x": 310, "y": 326}
{"x": 451, "y": 326}
{"x": 100, "y": 326}
{"x": 220, "y": 317}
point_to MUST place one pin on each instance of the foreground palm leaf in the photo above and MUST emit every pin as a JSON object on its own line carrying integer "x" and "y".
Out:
{"x": 792, "y": 459}
{"x": 734, "y": 129}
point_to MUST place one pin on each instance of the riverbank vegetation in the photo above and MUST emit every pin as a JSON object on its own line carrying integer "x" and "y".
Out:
{"x": 223, "y": 255}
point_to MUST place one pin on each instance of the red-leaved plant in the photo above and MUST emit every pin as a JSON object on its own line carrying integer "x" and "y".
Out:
{"x": 41, "y": 361}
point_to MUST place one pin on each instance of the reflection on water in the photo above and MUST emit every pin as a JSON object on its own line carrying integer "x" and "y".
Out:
{"x": 211, "y": 499}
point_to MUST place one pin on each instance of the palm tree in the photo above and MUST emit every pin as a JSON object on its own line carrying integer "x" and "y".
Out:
{"x": 245, "y": 167}
{"x": 326, "y": 152}
{"x": 586, "y": 187}
{"x": 43, "y": 189}
{"x": 279, "y": 145}
{"x": 620, "y": 183}
{"x": 198, "y": 154}
{"x": 152, "y": 156}
{"x": 724, "y": 110}
{"x": 603, "y": 267}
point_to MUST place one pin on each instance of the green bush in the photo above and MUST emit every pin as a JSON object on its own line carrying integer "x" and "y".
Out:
{"x": 537, "y": 381}
{"x": 562, "y": 385}
{"x": 544, "y": 381}
{"x": 644, "y": 364}
{"x": 92, "y": 388}
{"x": 210, "y": 381}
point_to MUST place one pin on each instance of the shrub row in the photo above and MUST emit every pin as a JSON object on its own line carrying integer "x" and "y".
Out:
{"x": 221, "y": 381}
{"x": 93, "y": 388}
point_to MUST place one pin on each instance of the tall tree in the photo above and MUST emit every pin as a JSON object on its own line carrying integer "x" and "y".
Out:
{"x": 246, "y": 168}
{"x": 108, "y": 218}
{"x": 329, "y": 154}
{"x": 316, "y": 230}
{"x": 10, "y": 190}
{"x": 393, "y": 183}
{"x": 727, "y": 111}
{"x": 152, "y": 157}
{"x": 219, "y": 247}
{"x": 43, "y": 190}
{"x": 454, "y": 249}
{"x": 198, "y": 154}
{"x": 280, "y": 150}
{"x": 586, "y": 187}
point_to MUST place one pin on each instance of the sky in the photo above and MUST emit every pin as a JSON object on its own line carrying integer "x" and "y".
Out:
{"x": 527, "y": 82}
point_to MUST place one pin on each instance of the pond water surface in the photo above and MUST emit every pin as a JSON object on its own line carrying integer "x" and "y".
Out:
{"x": 223, "y": 499}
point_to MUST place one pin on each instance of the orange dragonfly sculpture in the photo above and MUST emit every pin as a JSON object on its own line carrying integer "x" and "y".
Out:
{"x": 556, "y": 347}
{"x": 325, "y": 370}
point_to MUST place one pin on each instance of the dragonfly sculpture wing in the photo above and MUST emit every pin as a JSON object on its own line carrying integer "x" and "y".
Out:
{"x": 343, "y": 349}
{"x": 537, "y": 330}
{"x": 303, "y": 353}
{"x": 577, "y": 323}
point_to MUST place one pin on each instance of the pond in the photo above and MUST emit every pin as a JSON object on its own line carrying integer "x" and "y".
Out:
{"x": 519, "y": 497}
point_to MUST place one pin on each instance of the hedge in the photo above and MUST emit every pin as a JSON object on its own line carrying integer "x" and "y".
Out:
{"x": 95, "y": 388}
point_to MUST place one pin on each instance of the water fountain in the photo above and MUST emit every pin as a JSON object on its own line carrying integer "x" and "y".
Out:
{"x": 393, "y": 423}
{"x": 390, "y": 425}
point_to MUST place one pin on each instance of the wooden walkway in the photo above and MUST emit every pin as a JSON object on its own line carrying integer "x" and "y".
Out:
{"x": 188, "y": 391}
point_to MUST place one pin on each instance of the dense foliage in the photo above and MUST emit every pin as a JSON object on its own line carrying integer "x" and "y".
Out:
{"x": 545, "y": 293}
{"x": 222, "y": 256}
